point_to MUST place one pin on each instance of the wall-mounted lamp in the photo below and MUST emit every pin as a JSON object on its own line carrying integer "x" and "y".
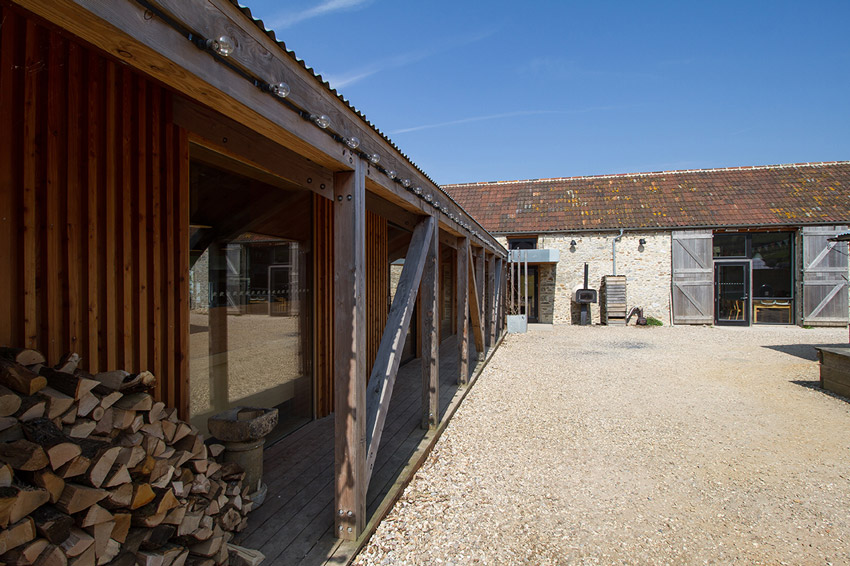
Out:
{"x": 572, "y": 245}
{"x": 642, "y": 241}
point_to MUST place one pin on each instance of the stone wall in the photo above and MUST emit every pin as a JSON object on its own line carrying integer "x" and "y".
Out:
{"x": 647, "y": 270}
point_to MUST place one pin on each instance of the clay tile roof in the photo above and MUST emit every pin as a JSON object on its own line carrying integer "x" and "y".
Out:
{"x": 802, "y": 193}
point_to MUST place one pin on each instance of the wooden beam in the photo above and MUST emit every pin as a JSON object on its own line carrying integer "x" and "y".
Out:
{"x": 219, "y": 133}
{"x": 492, "y": 307}
{"x": 462, "y": 293}
{"x": 429, "y": 303}
{"x": 391, "y": 211}
{"x": 349, "y": 352}
{"x": 475, "y": 309}
{"x": 448, "y": 239}
{"x": 480, "y": 281}
{"x": 381, "y": 382}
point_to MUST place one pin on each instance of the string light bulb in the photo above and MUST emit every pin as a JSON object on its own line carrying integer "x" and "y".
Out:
{"x": 223, "y": 45}
{"x": 320, "y": 120}
{"x": 374, "y": 159}
{"x": 352, "y": 142}
{"x": 392, "y": 174}
{"x": 280, "y": 90}
{"x": 417, "y": 191}
{"x": 405, "y": 183}
{"x": 428, "y": 198}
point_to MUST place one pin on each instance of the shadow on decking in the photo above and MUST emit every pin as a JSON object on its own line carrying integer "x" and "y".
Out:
{"x": 295, "y": 524}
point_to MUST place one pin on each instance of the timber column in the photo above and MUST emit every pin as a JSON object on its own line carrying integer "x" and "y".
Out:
{"x": 349, "y": 363}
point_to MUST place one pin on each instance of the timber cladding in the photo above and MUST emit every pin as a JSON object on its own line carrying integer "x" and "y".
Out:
{"x": 377, "y": 295}
{"x": 94, "y": 201}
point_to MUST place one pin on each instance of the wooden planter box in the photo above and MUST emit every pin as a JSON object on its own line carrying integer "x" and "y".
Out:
{"x": 835, "y": 370}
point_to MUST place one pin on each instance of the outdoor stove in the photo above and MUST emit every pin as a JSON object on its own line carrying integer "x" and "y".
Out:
{"x": 585, "y": 297}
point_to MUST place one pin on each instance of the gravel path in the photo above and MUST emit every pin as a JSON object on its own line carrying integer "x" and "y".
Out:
{"x": 598, "y": 445}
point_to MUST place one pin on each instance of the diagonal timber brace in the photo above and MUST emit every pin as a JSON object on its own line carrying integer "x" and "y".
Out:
{"x": 475, "y": 310}
{"x": 380, "y": 388}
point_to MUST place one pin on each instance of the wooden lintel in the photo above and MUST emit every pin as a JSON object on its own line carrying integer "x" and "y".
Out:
{"x": 475, "y": 308}
{"x": 430, "y": 323}
{"x": 462, "y": 293}
{"x": 448, "y": 240}
{"x": 391, "y": 211}
{"x": 349, "y": 364}
{"x": 231, "y": 139}
{"x": 381, "y": 382}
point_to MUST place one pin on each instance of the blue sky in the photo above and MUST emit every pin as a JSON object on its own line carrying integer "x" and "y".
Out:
{"x": 503, "y": 90}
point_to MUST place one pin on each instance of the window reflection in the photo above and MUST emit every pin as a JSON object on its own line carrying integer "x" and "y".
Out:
{"x": 249, "y": 297}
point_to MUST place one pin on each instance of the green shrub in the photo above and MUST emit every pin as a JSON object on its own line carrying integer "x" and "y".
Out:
{"x": 652, "y": 321}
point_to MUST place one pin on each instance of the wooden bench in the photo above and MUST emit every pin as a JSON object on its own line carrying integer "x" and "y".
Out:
{"x": 835, "y": 370}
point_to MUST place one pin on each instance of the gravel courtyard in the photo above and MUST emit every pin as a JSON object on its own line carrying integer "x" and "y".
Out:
{"x": 607, "y": 445}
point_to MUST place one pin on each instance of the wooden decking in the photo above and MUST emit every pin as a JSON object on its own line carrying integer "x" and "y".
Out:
{"x": 295, "y": 524}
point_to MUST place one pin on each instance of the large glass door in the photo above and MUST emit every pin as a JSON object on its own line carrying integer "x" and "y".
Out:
{"x": 732, "y": 293}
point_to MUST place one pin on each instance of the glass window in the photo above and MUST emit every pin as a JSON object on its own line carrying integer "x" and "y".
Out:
{"x": 522, "y": 243}
{"x": 772, "y": 265}
{"x": 249, "y": 341}
{"x": 730, "y": 245}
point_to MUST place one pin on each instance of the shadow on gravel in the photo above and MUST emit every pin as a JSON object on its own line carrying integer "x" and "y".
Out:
{"x": 815, "y": 385}
{"x": 805, "y": 351}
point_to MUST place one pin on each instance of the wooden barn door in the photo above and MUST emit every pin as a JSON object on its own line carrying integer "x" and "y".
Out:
{"x": 693, "y": 296}
{"x": 824, "y": 277}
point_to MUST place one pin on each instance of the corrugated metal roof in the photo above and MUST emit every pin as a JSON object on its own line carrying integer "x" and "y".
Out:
{"x": 793, "y": 194}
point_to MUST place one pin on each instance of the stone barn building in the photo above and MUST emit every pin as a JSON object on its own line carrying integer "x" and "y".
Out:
{"x": 737, "y": 246}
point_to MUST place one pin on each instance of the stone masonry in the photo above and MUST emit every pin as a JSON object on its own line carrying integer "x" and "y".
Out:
{"x": 647, "y": 269}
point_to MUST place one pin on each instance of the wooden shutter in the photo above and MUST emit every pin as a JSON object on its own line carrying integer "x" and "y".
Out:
{"x": 824, "y": 277}
{"x": 693, "y": 277}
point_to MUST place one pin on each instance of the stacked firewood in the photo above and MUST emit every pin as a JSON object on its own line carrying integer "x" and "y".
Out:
{"x": 94, "y": 471}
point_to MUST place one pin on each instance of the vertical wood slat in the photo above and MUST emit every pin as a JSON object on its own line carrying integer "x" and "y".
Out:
{"x": 87, "y": 196}
{"x": 140, "y": 234}
{"x": 107, "y": 269}
{"x": 94, "y": 177}
{"x": 155, "y": 238}
{"x": 75, "y": 139}
{"x": 11, "y": 89}
{"x": 181, "y": 401}
{"x": 323, "y": 303}
{"x": 125, "y": 203}
{"x": 377, "y": 284}
{"x": 32, "y": 63}
{"x": 51, "y": 271}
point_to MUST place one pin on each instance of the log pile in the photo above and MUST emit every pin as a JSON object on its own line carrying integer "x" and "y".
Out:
{"x": 94, "y": 471}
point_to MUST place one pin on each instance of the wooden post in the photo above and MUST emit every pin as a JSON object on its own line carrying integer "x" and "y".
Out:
{"x": 349, "y": 364}
{"x": 525, "y": 285}
{"x": 462, "y": 273}
{"x": 381, "y": 382}
{"x": 501, "y": 278}
{"x": 429, "y": 302}
{"x": 492, "y": 305}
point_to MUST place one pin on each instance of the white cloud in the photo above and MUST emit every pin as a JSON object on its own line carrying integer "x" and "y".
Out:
{"x": 502, "y": 116}
{"x": 326, "y": 7}
{"x": 403, "y": 59}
